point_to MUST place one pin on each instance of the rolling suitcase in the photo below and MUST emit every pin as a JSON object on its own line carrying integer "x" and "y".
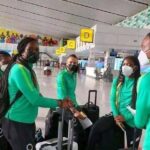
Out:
{"x": 60, "y": 143}
{"x": 91, "y": 109}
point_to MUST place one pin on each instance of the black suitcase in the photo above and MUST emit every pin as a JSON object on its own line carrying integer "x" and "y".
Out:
{"x": 90, "y": 108}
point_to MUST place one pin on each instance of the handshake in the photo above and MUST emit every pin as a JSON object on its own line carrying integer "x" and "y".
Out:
{"x": 68, "y": 104}
{"x": 65, "y": 103}
{"x": 83, "y": 119}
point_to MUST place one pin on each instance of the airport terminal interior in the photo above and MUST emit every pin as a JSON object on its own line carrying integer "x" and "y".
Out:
{"x": 101, "y": 33}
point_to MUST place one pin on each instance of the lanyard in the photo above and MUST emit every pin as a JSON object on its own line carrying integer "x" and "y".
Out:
{"x": 117, "y": 94}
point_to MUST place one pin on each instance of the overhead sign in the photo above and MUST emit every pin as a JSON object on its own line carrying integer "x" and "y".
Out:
{"x": 71, "y": 44}
{"x": 87, "y": 35}
{"x": 57, "y": 52}
{"x": 62, "y": 49}
{"x": 81, "y": 46}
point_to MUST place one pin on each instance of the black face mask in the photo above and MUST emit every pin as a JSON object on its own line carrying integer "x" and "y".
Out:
{"x": 33, "y": 57}
{"x": 73, "y": 68}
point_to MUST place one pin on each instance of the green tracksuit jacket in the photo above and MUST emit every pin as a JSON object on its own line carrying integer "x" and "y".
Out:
{"x": 142, "y": 117}
{"x": 25, "y": 109}
{"x": 66, "y": 85}
{"x": 124, "y": 100}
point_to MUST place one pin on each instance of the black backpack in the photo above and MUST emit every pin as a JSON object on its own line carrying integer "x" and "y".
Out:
{"x": 4, "y": 95}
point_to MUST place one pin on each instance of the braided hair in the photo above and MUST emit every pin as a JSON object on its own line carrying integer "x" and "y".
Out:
{"x": 135, "y": 75}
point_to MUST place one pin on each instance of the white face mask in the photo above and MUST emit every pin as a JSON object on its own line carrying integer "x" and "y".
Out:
{"x": 143, "y": 59}
{"x": 3, "y": 67}
{"x": 127, "y": 70}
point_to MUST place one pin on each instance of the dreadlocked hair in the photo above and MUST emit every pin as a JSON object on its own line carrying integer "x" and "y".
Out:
{"x": 18, "y": 59}
{"x": 135, "y": 75}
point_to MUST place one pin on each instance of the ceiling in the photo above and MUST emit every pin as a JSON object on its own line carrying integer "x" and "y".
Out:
{"x": 140, "y": 20}
{"x": 64, "y": 18}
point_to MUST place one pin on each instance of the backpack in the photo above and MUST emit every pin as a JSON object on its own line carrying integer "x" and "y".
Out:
{"x": 5, "y": 104}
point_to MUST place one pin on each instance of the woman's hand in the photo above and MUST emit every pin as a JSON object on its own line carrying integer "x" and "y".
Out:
{"x": 78, "y": 114}
{"x": 119, "y": 118}
{"x": 66, "y": 103}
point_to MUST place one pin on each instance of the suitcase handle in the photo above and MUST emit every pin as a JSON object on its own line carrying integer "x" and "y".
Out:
{"x": 89, "y": 96}
{"x": 60, "y": 129}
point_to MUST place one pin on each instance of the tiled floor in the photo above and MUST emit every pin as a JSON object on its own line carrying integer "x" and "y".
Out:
{"x": 84, "y": 84}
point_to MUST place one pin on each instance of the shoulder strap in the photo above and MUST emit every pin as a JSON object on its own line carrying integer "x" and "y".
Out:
{"x": 18, "y": 95}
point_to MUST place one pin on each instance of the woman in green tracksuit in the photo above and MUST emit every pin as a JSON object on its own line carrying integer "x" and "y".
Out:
{"x": 142, "y": 117}
{"x": 67, "y": 78}
{"x": 19, "y": 122}
{"x": 66, "y": 86}
{"x": 123, "y": 94}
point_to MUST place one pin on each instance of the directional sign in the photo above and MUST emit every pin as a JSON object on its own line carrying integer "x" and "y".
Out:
{"x": 87, "y": 35}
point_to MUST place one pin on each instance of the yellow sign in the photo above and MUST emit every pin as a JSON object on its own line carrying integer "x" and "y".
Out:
{"x": 57, "y": 52}
{"x": 62, "y": 49}
{"x": 86, "y": 35}
{"x": 71, "y": 44}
